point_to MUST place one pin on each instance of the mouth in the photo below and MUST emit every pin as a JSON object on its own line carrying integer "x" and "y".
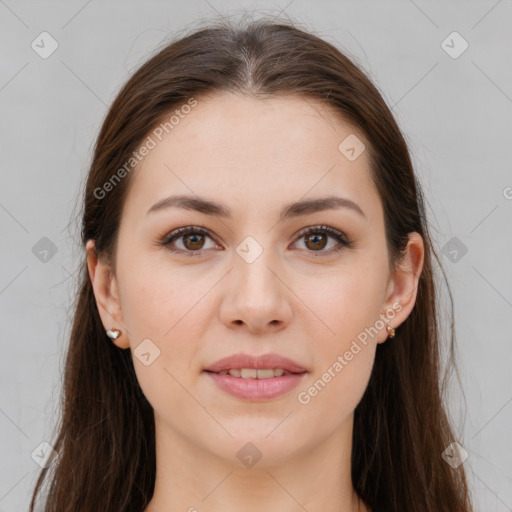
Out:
{"x": 247, "y": 363}
{"x": 256, "y": 378}
{"x": 256, "y": 385}
{"x": 253, "y": 373}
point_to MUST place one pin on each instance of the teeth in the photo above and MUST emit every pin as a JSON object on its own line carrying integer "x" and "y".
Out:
{"x": 265, "y": 374}
{"x": 248, "y": 373}
{"x": 252, "y": 373}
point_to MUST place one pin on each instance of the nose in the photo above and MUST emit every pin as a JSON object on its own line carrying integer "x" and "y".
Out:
{"x": 257, "y": 299}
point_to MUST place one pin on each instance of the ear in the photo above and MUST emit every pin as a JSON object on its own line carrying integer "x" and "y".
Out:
{"x": 106, "y": 293}
{"x": 403, "y": 285}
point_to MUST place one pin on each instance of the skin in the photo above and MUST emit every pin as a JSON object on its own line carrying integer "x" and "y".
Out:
{"x": 253, "y": 156}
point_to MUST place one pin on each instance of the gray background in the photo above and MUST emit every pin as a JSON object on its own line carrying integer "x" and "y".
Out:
{"x": 454, "y": 112}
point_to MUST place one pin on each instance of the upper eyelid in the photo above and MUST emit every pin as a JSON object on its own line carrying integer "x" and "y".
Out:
{"x": 320, "y": 227}
{"x": 183, "y": 231}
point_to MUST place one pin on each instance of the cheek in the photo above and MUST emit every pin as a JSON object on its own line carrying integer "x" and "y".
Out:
{"x": 345, "y": 352}
{"x": 155, "y": 297}
{"x": 167, "y": 306}
{"x": 334, "y": 392}
{"x": 348, "y": 303}
{"x": 161, "y": 313}
{"x": 349, "y": 306}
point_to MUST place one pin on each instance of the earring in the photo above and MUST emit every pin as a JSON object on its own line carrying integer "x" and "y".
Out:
{"x": 391, "y": 331}
{"x": 113, "y": 334}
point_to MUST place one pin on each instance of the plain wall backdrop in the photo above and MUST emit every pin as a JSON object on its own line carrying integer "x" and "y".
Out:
{"x": 443, "y": 67}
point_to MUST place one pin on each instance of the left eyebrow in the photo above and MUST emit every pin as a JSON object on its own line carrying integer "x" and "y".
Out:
{"x": 209, "y": 207}
{"x": 319, "y": 205}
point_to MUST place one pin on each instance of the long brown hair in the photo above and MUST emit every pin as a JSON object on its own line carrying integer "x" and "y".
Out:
{"x": 105, "y": 444}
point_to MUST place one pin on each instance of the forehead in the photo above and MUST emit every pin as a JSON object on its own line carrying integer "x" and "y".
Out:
{"x": 246, "y": 152}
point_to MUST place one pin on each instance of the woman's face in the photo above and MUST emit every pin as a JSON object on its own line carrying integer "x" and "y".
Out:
{"x": 251, "y": 282}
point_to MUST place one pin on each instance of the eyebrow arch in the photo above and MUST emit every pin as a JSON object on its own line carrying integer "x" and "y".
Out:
{"x": 209, "y": 207}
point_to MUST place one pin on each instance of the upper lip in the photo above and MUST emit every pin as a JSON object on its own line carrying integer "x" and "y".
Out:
{"x": 239, "y": 361}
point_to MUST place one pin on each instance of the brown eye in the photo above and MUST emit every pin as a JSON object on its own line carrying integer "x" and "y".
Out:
{"x": 189, "y": 240}
{"x": 193, "y": 241}
{"x": 316, "y": 241}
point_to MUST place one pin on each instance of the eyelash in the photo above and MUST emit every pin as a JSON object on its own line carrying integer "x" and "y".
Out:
{"x": 197, "y": 230}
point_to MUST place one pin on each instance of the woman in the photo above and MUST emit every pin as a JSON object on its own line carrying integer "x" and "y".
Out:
{"x": 256, "y": 238}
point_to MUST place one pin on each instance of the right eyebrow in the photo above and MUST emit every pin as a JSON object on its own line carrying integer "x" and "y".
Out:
{"x": 209, "y": 207}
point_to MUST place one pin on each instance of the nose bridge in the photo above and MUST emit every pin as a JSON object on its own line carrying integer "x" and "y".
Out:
{"x": 257, "y": 297}
{"x": 256, "y": 268}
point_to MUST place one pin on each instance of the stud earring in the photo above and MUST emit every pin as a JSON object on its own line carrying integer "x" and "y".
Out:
{"x": 391, "y": 331}
{"x": 113, "y": 334}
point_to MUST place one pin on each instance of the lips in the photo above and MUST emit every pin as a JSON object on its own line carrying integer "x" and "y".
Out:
{"x": 263, "y": 362}
{"x": 256, "y": 390}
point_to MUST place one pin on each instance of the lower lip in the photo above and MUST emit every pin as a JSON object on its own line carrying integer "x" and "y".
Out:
{"x": 257, "y": 389}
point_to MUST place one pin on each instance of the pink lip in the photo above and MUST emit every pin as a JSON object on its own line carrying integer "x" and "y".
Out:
{"x": 256, "y": 389}
{"x": 237, "y": 361}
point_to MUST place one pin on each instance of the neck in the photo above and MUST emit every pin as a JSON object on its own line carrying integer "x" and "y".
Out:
{"x": 192, "y": 479}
